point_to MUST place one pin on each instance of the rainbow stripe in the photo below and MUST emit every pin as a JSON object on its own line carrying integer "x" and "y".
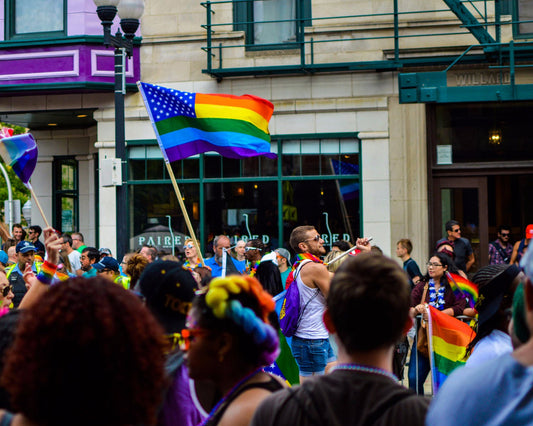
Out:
{"x": 462, "y": 287}
{"x": 20, "y": 152}
{"x": 188, "y": 123}
{"x": 448, "y": 339}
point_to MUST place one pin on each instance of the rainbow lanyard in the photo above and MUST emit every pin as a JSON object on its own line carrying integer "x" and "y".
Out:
{"x": 253, "y": 269}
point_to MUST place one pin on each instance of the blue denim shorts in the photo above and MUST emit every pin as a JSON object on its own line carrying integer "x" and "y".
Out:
{"x": 311, "y": 355}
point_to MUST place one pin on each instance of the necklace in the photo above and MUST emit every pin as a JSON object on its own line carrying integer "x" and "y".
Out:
{"x": 228, "y": 394}
{"x": 365, "y": 369}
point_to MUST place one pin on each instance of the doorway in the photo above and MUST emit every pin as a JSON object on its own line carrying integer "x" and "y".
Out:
{"x": 465, "y": 200}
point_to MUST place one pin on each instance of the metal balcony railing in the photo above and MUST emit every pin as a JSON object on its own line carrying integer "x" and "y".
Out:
{"x": 246, "y": 37}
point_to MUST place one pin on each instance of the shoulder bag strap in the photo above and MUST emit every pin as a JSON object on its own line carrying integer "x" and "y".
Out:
{"x": 300, "y": 314}
{"x": 500, "y": 250}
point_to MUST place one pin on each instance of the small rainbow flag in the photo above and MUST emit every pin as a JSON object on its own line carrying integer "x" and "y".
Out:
{"x": 463, "y": 288}
{"x": 19, "y": 152}
{"x": 448, "y": 339}
{"x": 189, "y": 123}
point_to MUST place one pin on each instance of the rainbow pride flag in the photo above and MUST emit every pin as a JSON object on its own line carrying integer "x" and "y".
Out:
{"x": 187, "y": 123}
{"x": 463, "y": 288}
{"x": 448, "y": 339}
{"x": 20, "y": 153}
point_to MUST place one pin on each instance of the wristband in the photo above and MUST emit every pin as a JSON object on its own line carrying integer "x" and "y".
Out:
{"x": 47, "y": 272}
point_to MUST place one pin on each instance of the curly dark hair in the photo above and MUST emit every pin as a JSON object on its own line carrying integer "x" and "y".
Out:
{"x": 88, "y": 353}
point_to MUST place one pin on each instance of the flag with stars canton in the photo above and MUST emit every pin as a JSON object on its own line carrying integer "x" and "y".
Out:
{"x": 189, "y": 123}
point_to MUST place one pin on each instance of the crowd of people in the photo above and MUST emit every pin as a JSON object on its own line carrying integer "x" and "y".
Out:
{"x": 190, "y": 340}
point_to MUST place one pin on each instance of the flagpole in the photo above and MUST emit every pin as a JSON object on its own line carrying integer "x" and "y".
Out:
{"x": 38, "y": 204}
{"x": 184, "y": 211}
{"x": 340, "y": 256}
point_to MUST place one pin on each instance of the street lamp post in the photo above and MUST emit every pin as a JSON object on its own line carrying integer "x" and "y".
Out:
{"x": 129, "y": 11}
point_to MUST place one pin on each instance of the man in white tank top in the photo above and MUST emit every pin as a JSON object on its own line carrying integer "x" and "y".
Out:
{"x": 310, "y": 343}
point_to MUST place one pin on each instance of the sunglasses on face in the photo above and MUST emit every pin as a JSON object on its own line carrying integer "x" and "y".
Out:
{"x": 505, "y": 234}
{"x": 315, "y": 238}
{"x": 188, "y": 335}
{"x": 6, "y": 290}
{"x": 188, "y": 246}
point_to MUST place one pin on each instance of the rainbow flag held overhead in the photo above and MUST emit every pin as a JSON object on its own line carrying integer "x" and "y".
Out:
{"x": 448, "y": 339}
{"x": 463, "y": 288}
{"x": 19, "y": 152}
{"x": 187, "y": 123}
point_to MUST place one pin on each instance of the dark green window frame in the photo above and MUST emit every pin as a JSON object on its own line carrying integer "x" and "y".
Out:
{"x": 243, "y": 20}
{"x": 280, "y": 178}
{"x": 516, "y": 21}
{"x": 10, "y": 34}
{"x": 59, "y": 192}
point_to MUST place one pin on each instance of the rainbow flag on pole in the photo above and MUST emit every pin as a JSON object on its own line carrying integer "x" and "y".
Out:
{"x": 189, "y": 123}
{"x": 463, "y": 288}
{"x": 20, "y": 153}
{"x": 448, "y": 339}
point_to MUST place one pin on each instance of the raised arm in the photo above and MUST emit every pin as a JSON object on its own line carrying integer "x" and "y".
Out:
{"x": 39, "y": 284}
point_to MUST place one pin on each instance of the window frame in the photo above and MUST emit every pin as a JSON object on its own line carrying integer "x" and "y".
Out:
{"x": 516, "y": 24}
{"x": 10, "y": 34}
{"x": 243, "y": 20}
{"x": 58, "y": 193}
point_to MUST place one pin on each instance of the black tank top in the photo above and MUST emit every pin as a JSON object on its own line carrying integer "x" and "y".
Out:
{"x": 272, "y": 386}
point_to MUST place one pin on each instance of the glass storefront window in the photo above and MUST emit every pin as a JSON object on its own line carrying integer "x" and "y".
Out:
{"x": 482, "y": 132}
{"x": 151, "y": 205}
{"x": 317, "y": 183}
{"x": 146, "y": 163}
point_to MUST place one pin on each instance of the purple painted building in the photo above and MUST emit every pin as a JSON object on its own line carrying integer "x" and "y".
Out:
{"x": 69, "y": 57}
{"x": 57, "y": 80}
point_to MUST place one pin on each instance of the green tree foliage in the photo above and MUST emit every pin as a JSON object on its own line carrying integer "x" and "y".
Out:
{"x": 20, "y": 192}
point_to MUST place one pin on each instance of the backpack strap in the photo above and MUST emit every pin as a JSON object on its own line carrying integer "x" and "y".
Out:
{"x": 300, "y": 314}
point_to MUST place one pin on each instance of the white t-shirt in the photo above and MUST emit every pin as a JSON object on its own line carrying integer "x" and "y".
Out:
{"x": 74, "y": 259}
{"x": 492, "y": 346}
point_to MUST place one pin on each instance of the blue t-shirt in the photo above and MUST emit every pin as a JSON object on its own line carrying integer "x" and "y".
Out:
{"x": 216, "y": 269}
{"x": 496, "y": 392}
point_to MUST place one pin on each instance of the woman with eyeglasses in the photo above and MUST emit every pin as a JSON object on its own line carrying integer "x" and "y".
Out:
{"x": 6, "y": 293}
{"x": 433, "y": 290}
{"x": 228, "y": 341}
{"x": 191, "y": 255}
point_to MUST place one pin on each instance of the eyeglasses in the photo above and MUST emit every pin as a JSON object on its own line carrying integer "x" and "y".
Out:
{"x": 6, "y": 290}
{"x": 315, "y": 238}
{"x": 250, "y": 248}
{"x": 188, "y": 246}
{"x": 432, "y": 265}
{"x": 188, "y": 335}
